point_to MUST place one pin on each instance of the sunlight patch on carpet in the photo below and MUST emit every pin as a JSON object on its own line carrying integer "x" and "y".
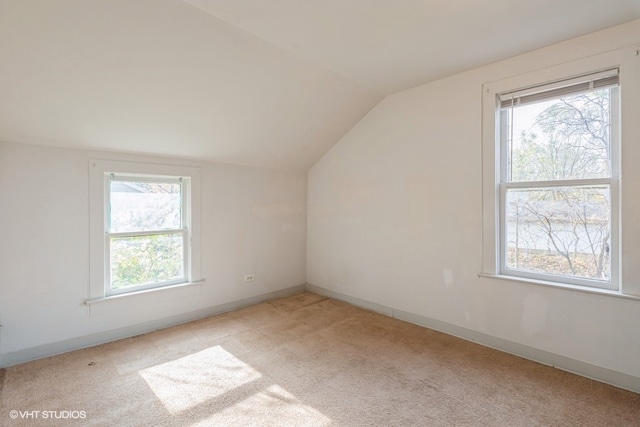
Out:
{"x": 189, "y": 381}
{"x": 272, "y": 406}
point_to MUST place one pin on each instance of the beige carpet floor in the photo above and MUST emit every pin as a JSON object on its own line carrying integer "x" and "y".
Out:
{"x": 303, "y": 360}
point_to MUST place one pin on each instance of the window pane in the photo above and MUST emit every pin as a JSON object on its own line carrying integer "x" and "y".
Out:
{"x": 560, "y": 230}
{"x": 146, "y": 259}
{"x": 564, "y": 138}
{"x": 139, "y": 206}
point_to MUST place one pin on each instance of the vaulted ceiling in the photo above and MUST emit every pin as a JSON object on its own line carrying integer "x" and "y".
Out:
{"x": 272, "y": 83}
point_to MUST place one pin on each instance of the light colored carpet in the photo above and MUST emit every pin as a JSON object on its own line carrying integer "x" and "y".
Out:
{"x": 304, "y": 360}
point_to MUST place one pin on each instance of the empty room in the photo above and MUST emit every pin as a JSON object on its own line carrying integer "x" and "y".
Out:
{"x": 319, "y": 213}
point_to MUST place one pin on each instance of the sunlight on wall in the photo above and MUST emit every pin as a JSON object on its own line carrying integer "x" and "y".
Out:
{"x": 189, "y": 381}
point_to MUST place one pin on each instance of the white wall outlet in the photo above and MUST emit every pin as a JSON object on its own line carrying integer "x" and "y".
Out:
{"x": 249, "y": 278}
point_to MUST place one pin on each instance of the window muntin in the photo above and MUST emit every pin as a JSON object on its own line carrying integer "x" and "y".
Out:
{"x": 558, "y": 181}
{"x": 147, "y": 230}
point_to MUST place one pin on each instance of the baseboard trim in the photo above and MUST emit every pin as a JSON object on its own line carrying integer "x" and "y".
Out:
{"x": 52, "y": 349}
{"x": 605, "y": 375}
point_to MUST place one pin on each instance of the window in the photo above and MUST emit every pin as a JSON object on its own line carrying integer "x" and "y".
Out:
{"x": 558, "y": 180}
{"x": 145, "y": 227}
{"x": 147, "y": 231}
{"x": 560, "y": 175}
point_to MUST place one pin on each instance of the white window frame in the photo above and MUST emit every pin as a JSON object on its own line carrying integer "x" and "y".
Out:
{"x": 624, "y": 272}
{"x": 101, "y": 173}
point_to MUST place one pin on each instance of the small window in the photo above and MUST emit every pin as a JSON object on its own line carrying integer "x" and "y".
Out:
{"x": 145, "y": 227}
{"x": 558, "y": 180}
{"x": 147, "y": 232}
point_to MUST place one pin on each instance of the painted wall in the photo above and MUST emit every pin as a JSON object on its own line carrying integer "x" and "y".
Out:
{"x": 395, "y": 218}
{"x": 253, "y": 221}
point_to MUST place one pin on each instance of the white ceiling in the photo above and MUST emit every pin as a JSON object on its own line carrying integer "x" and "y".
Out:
{"x": 391, "y": 45}
{"x": 266, "y": 83}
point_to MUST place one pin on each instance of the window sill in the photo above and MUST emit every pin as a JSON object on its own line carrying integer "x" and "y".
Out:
{"x": 555, "y": 285}
{"x": 89, "y": 302}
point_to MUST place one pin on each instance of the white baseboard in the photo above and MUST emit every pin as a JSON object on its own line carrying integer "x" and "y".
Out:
{"x": 608, "y": 376}
{"x": 52, "y": 349}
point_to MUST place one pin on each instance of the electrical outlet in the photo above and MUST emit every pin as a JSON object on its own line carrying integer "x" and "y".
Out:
{"x": 249, "y": 278}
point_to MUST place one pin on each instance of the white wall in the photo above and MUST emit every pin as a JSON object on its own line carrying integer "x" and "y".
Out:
{"x": 253, "y": 221}
{"x": 395, "y": 219}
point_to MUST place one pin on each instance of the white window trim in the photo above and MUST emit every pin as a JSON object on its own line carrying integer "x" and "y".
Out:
{"x": 627, "y": 272}
{"x": 99, "y": 170}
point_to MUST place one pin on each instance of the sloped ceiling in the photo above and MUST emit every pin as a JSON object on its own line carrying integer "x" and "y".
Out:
{"x": 391, "y": 45}
{"x": 265, "y": 83}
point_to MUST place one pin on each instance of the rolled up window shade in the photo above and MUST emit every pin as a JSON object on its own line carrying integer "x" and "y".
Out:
{"x": 601, "y": 80}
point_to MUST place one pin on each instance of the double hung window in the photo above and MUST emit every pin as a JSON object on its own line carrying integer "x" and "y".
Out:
{"x": 145, "y": 227}
{"x": 558, "y": 181}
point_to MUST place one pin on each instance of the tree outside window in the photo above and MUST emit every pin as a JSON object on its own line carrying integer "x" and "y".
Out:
{"x": 557, "y": 188}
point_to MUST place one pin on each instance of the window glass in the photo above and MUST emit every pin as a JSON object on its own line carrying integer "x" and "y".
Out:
{"x": 142, "y": 260}
{"x": 559, "y": 230}
{"x": 565, "y": 138}
{"x": 138, "y": 206}
{"x": 556, "y": 183}
{"x": 146, "y": 234}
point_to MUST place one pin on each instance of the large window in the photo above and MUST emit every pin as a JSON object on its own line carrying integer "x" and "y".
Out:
{"x": 558, "y": 180}
{"x": 144, "y": 227}
{"x": 560, "y": 174}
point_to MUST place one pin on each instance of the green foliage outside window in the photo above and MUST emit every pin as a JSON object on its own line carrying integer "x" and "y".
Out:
{"x": 152, "y": 212}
